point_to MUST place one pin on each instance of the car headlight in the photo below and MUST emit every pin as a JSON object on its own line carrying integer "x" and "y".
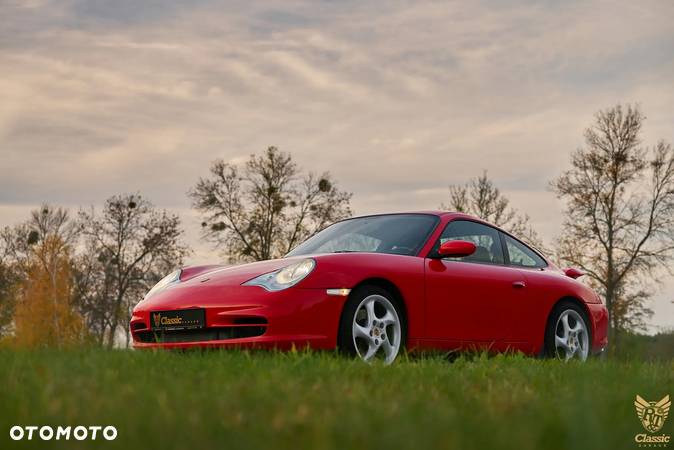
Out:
{"x": 285, "y": 277}
{"x": 173, "y": 277}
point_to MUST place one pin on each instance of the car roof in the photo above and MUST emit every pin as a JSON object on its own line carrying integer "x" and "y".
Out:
{"x": 432, "y": 212}
{"x": 437, "y": 213}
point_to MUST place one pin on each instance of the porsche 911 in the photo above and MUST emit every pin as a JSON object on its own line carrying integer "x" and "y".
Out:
{"x": 373, "y": 286}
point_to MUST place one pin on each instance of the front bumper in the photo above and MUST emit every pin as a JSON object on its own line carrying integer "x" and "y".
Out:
{"x": 244, "y": 316}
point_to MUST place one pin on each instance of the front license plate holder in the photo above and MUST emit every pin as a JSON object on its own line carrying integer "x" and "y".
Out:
{"x": 178, "y": 319}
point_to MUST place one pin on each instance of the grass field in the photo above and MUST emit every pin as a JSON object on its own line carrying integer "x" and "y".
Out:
{"x": 239, "y": 400}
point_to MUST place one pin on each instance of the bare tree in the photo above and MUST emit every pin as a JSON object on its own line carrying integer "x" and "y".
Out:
{"x": 266, "y": 208}
{"x": 94, "y": 284}
{"x": 132, "y": 245}
{"x": 45, "y": 222}
{"x": 619, "y": 225}
{"x": 481, "y": 198}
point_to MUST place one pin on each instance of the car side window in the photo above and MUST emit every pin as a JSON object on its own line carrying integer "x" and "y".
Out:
{"x": 486, "y": 240}
{"x": 521, "y": 255}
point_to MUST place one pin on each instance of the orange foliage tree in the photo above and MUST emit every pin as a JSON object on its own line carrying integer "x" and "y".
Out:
{"x": 44, "y": 315}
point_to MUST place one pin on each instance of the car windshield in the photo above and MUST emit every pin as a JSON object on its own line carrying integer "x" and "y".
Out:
{"x": 400, "y": 234}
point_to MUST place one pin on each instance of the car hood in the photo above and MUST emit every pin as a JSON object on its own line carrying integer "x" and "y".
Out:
{"x": 232, "y": 275}
{"x": 201, "y": 285}
{"x": 208, "y": 284}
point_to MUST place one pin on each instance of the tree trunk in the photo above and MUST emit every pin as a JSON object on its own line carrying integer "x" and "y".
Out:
{"x": 612, "y": 343}
{"x": 111, "y": 336}
{"x": 126, "y": 331}
{"x": 115, "y": 319}
{"x": 101, "y": 334}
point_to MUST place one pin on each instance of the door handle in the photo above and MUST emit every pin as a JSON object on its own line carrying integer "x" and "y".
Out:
{"x": 519, "y": 284}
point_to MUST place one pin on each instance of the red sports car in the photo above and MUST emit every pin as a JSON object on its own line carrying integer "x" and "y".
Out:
{"x": 373, "y": 285}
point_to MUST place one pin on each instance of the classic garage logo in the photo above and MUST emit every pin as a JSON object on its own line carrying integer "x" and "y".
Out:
{"x": 78, "y": 433}
{"x": 652, "y": 416}
{"x": 163, "y": 320}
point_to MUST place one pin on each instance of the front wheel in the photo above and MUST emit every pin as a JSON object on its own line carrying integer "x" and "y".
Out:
{"x": 371, "y": 326}
{"x": 568, "y": 336}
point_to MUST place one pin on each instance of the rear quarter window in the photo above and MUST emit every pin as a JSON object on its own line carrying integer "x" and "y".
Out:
{"x": 522, "y": 256}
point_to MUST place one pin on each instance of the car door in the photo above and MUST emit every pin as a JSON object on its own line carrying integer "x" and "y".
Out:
{"x": 466, "y": 298}
{"x": 523, "y": 314}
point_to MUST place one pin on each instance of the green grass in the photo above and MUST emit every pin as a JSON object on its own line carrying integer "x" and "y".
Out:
{"x": 240, "y": 400}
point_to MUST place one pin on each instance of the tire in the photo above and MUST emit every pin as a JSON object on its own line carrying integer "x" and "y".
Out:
{"x": 568, "y": 332}
{"x": 372, "y": 325}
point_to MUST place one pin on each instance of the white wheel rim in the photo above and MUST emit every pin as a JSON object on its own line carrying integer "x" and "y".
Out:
{"x": 571, "y": 336}
{"x": 376, "y": 329}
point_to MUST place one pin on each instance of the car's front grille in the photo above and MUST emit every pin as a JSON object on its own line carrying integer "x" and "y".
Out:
{"x": 206, "y": 334}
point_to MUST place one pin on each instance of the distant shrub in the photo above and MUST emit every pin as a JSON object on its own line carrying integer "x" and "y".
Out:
{"x": 655, "y": 347}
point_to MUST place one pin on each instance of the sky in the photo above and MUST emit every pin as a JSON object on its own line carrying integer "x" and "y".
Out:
{"x": 397, "y": 99}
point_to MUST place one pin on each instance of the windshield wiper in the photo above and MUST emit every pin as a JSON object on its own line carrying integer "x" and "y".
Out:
{"x": 345, "y": 251}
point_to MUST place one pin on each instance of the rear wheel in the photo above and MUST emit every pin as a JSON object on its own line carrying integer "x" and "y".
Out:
{"x": 568, "y": 335}
{"x": 372, "y": 327}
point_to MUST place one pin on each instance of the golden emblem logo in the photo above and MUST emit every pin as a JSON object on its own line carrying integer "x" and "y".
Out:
{"x": 157, "y": 319}
{"x": 652, "y": 416}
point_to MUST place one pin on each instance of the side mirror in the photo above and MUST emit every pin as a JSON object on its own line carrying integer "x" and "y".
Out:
{"x": 456, "y": 249}
{"x": 574, "y": 273}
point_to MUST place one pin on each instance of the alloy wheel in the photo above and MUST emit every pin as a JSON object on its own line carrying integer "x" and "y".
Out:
{"x": 571, "y": 336}
{"x": 376, "y": 329}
